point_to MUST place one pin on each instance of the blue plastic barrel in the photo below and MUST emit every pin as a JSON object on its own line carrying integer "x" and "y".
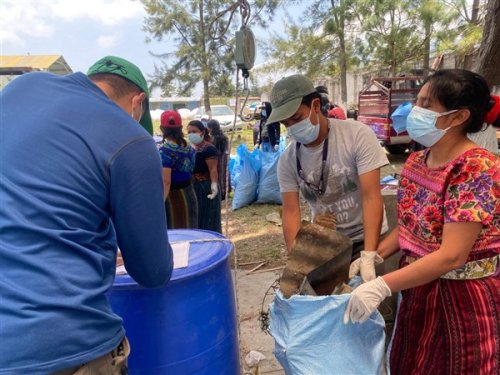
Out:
{"x": 190, "y": 325}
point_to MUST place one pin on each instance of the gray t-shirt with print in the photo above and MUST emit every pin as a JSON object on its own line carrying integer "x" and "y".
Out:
{"x": 353, "y": 150}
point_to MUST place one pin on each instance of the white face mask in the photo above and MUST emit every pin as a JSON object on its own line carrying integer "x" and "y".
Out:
{"x": 132, "y": 114}
{"x": 195, "y": 138}
{"x": 304, "y": 131}
{"x": 421, "y": 126}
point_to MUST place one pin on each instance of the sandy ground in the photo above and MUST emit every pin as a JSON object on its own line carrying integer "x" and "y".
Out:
{"x": 252, "y": 290}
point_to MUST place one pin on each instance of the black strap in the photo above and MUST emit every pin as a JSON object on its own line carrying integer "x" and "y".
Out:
{"x": 320, "y": 189}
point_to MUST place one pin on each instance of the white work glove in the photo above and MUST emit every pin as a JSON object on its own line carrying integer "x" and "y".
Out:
{"x": 276, "y": 147}
{"x": 365, "y": 299}
{"x": 215, "y": 190}
{"x": 365, "y": 265}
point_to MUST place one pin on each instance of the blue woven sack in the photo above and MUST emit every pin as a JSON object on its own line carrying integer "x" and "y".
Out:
{"x": 311, "y": 337}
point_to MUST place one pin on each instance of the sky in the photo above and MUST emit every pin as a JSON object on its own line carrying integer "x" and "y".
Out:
{"x": 82, "y": 31}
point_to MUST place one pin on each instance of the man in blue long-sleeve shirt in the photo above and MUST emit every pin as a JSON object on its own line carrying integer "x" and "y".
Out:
{"x": 79, "y": 176}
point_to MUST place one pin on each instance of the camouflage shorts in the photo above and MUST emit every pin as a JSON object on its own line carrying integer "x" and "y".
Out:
{"x": 113, "y": 363}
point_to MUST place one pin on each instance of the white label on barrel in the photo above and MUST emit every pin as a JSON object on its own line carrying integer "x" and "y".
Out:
{"x": 181, "y": 254}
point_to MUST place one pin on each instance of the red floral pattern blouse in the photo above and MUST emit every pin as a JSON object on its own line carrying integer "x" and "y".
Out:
{"x": 465, "y": 190}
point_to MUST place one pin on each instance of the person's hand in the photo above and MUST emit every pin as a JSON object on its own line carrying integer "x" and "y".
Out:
{"x": 365, "y": 299}
{"x": 276, "y": 147}
{"x": 365, "y": 265}
{"x": 215, "y": 189}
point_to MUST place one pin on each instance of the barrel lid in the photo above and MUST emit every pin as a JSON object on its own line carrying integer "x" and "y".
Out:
{"x": 207, "y": 249}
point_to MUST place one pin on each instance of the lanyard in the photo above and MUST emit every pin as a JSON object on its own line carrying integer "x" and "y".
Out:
{"x": 320, "y": 189}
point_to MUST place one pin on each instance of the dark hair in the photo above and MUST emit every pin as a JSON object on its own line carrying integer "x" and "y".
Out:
{"x": 175, "y": 134}
{"x": 322, "y": 89}
{"x": 268, "y": 107}
{"x": 214, "y": 126}
{"x": 198, "y": 124}
{"x": 307, "y": 100}
{"x": 121, "y": 86}
{"x": 461, "y": 89}
{"x": 219, "y": 139}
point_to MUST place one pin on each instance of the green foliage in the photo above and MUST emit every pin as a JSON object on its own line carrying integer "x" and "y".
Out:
{"x": 223, "y": 86}
{"x": 187, "y": 23}
{"x": 396, "y": 35}
{"x": 315, "y": 44}
{"x": 393, "y": 32}
{"x": 303, "y": 51}
{"x": 202, "y": 31}
{"x": 327, "y": 39}
{"x": 466, "y": 27}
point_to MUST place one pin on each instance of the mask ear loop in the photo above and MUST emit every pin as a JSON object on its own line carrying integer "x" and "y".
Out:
{"x": 317, "y": 114}
{"x": 444, "y": 114}
{"x": 448, "y": 112}
{"x": 141, "y": 113}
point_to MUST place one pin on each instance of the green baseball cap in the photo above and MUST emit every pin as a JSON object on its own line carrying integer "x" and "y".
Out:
{"x": 127, "y": 70}
{"x": 286, "y": 96}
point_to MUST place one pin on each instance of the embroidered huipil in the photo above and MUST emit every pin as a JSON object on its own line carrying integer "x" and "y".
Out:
{"x": 465, "y": 190}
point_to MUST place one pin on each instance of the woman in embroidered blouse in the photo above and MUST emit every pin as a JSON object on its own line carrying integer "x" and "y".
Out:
{"x": 449, "y": 235}
{"x": 205, "y": 177}
{"x": 177, "y": 158}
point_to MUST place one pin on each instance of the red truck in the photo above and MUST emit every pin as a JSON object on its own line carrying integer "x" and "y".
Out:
{"x": 379, "y": 99}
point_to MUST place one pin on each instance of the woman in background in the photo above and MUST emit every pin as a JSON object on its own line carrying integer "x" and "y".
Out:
{"x": 221, "y": 143}
{"x": 205, "y": 177}
{"x": 177, "y": 159}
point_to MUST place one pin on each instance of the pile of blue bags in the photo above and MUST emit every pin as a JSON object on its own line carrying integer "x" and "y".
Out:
{"x": 254, "y": 177}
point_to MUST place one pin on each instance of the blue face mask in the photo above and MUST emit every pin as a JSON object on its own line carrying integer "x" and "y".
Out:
{"x": 304, "y": 131}
{"x": 421, "y": 126}
{"x": 195, "y": 138}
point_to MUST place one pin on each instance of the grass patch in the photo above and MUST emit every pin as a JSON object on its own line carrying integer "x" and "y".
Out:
{"x": 255, "y": 238}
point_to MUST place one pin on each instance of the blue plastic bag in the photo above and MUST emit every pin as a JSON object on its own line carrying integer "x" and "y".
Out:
{"x": 311, "y": 337}
{"x": 247, "y": 181}
{"x": 269, "y": 189}
{"x": 232, "y": 162}
{"x": 399, "y": 116}
{"x": 235, "y": 171}
{"x": 282, "y": 145}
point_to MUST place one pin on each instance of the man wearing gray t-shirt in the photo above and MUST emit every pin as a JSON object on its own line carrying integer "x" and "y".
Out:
{"x": 335, "y": 165}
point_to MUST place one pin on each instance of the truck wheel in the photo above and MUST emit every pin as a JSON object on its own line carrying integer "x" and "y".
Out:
{"x": 396, "y": 149}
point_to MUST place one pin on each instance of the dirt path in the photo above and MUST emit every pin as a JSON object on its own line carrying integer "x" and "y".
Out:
{"x": 252, "y": 290}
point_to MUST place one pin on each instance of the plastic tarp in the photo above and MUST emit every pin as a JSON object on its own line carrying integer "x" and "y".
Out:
{"x": 399, "y": 116}
{"x": 311, "y": 337}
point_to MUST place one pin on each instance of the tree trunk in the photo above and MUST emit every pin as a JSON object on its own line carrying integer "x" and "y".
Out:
{"x": 427, "y": 47}
{"x": 338, "y": 10}
{"x": 489, "y": 52}
{"x": 475, "y": 12}
{"x": 206, "y": 97}
{"x": 343, "y": 70}
{"x": 468, "y": 59}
